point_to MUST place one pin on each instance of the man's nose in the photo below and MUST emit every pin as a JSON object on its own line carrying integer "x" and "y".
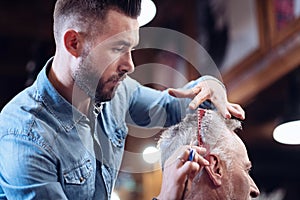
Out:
{"x": 254, "y": 191}
{"x": 126, "y": 64}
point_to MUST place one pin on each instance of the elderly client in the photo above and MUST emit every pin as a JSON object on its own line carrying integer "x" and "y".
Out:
{"x": 227, "y": 175}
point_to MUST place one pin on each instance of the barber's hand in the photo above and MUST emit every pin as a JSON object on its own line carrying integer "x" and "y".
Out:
{"x": 177, "y": 168}
{"x": 214, "y": 91}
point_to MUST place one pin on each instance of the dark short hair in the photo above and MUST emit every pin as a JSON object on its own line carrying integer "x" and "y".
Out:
{"x": 97, "y": 8}
{"x": 89, "y": 11}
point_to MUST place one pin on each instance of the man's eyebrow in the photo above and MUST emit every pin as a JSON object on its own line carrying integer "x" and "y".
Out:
{"x": 122, "y": 43}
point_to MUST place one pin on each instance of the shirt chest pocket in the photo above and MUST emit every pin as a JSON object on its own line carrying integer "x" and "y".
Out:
{"x": 118, "y": 138}
{"x": 80, "y": 174}
{"x": 79, "y": 181}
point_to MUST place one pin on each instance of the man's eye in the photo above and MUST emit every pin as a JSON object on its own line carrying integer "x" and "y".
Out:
{"x": 117, "y": 50}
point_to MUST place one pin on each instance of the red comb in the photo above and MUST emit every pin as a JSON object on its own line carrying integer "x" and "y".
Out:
{"x": 201, "y": 113}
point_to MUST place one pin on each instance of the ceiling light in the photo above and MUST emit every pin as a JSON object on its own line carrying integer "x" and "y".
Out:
{"x": 288, "y": 133}
{"x": 148, "y": 11}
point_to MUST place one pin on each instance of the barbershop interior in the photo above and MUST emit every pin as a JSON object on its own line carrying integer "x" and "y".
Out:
{"x": 252, "y": 46}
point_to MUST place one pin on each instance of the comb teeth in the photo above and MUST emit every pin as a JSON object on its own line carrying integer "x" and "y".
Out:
{"x": 201, "y": 113}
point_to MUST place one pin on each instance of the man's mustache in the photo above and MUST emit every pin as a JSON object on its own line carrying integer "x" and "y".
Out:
{"x": 116, "y": 78}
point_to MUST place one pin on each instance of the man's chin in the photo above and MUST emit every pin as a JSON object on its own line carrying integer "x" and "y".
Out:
{"x": 103, "y": 97}
{"x": 106, "y": 94}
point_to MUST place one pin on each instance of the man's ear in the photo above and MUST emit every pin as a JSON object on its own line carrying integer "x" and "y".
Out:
{"x": 215, "y": 169}
{"x": 73, "y": 42}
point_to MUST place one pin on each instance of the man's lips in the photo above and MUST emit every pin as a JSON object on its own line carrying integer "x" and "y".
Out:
{"x": 117, "y": 80}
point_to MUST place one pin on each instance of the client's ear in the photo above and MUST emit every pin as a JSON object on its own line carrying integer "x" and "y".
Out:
{"x": 215, "y": 169}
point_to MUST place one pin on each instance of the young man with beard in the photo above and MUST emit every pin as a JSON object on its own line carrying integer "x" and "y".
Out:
{"x": 63, "y": 137}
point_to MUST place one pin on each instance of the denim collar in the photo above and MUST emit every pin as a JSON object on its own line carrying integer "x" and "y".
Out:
{"x": 58, "y": 106}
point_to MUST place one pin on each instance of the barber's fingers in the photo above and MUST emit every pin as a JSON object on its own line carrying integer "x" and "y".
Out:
{"x": 184, "y": 93}
{"x": 198, "y": 154}
{"x": 190, "y": 168}
{"x": 203, "y": 92}
{"x": 236, "y": 110}
{"x": 200, "y": 150}
{"x": 198, "y": 94}
{"x": 191, "y": 161}
{"x": 178, "y": 167}
{"x": 200, "y": 160}
{"x": 201, "y": 95}
{"x": 213, "y": 91}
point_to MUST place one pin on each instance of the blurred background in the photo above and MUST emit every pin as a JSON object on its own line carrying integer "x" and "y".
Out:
{"x": 255, "y": 45}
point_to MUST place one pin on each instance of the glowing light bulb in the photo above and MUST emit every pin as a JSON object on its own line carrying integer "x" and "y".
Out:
{"x": 148, "y": 11}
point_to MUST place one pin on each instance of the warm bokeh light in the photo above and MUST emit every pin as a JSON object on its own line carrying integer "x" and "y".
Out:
{"x": 288, "y": 133}
{"x": 151, "y": 155}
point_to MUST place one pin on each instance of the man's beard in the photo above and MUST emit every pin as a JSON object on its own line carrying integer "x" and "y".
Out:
{"x": 91, "y": 82}
{"x": 101, "y": 95}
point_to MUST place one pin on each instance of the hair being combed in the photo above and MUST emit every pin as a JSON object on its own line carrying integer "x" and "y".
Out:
{"x": 214, "y": 129}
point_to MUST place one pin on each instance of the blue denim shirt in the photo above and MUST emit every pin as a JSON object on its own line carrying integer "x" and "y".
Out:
{"x": 49, "y": 150}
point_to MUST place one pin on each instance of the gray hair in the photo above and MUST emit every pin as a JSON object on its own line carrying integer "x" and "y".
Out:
{"x": 214, "y": 129}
